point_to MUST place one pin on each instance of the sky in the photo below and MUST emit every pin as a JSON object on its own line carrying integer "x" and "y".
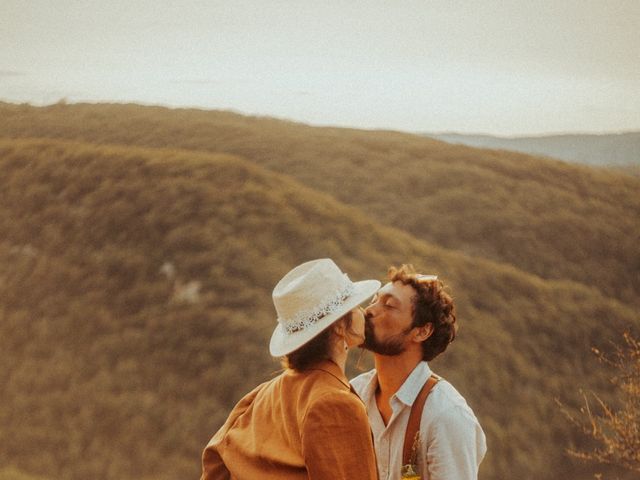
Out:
{"x": 520, "y": 67}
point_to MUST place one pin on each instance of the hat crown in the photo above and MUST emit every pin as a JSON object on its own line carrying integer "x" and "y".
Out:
{"x": 309, "y": 292}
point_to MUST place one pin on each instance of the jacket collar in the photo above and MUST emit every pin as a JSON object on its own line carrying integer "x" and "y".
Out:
{"x": 333, "y": 369}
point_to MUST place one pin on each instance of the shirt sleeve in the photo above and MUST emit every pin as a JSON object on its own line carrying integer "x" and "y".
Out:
{"x": 336, "y": 439}
{"x": 455, "y": 446}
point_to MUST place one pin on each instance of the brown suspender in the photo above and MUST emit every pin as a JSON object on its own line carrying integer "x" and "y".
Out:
{"x": 413, "y": 427}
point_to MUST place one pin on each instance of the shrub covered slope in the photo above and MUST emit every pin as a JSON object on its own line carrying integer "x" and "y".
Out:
{"x": 135, "y": 310}
{"x": 556, "y": 220}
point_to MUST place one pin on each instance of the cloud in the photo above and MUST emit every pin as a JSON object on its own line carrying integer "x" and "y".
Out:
{"x": 11, "y": 73}
{"x": 199, "y": 81}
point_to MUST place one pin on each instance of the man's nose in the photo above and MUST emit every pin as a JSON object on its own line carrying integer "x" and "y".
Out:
{"x": 368, "y": 311}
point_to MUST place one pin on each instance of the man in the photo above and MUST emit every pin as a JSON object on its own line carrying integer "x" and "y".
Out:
{"x": 409, "y": 322}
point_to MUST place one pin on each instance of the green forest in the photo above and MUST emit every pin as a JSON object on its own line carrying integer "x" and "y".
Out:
{"x": 139, "y": 247}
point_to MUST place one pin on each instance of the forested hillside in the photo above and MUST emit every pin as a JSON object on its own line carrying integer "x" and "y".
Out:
{"x": 136, "y": 309}
{"x": 553, "y": 219}
{"x": 11, "y": 473}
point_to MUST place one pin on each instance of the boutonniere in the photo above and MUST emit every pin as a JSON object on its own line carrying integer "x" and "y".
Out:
{"x": 410, "y": 470}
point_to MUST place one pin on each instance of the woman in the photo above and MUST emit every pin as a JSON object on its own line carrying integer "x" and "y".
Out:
{"x": 307, "y": 423}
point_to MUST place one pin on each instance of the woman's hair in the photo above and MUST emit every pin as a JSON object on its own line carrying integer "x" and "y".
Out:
{"x": 431, "y": 304}
{"x": 317, "y": 349}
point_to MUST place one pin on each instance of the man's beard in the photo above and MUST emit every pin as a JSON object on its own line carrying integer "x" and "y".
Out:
{"x": 390, "y": 347}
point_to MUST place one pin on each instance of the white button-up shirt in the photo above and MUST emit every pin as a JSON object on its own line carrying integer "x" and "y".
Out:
{"x": 452, "y": 441}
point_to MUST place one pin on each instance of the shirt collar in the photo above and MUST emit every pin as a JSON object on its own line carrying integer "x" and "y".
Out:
{"x": 409, "y": 390}
{"x": 369, "y": 390}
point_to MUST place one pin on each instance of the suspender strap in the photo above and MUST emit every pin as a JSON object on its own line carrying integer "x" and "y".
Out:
{"x": 413, "y": 426}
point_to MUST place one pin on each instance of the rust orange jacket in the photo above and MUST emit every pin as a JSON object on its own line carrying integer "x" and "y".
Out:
{"x": 308, "y": 425}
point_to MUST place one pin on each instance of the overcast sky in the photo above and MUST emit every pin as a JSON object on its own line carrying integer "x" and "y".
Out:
{"x": 485, "y": 66}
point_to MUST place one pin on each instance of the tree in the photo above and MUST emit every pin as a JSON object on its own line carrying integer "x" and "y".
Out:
{"x": 615, "y": 431}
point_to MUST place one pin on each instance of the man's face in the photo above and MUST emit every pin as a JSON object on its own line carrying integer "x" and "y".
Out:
{"x": 388, "y": 319}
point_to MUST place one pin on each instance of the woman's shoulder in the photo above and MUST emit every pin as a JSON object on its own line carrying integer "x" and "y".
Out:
{"x": 335, "y": 400}
{"x": 335, "y": 406}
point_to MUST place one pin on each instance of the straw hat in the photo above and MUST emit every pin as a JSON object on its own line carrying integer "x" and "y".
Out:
{"x": 309, "y": 299}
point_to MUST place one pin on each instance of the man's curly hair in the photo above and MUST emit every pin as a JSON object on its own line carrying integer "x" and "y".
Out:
{"x": 431, "y": 304}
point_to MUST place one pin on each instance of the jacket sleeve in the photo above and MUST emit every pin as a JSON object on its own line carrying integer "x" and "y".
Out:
{"x": 336, "y": 439}
{"x": 213, "y": 467}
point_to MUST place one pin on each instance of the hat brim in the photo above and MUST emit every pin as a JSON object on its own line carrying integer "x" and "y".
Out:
{"x": 283, "y": 343}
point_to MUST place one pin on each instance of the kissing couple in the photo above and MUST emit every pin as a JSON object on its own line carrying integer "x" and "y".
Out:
{"x": 399, "y": 420}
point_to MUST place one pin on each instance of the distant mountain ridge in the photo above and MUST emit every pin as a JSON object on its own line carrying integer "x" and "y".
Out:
{"x": 619, "y": 149}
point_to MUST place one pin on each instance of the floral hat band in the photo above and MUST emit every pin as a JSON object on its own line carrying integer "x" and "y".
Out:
{"x": 305, "y": 318}
{"x": 310, "y": 298}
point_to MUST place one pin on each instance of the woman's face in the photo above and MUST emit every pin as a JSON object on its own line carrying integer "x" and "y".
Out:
{"x": 355, "y": 333}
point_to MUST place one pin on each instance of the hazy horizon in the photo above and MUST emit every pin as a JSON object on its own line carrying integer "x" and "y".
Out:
{"x": 516, "y": 69}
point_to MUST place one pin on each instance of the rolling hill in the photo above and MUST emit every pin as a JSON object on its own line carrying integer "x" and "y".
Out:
{"x": 11, "y": 473}
{"x": 555, "y": 220}
{"x": 135, "y": 310}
